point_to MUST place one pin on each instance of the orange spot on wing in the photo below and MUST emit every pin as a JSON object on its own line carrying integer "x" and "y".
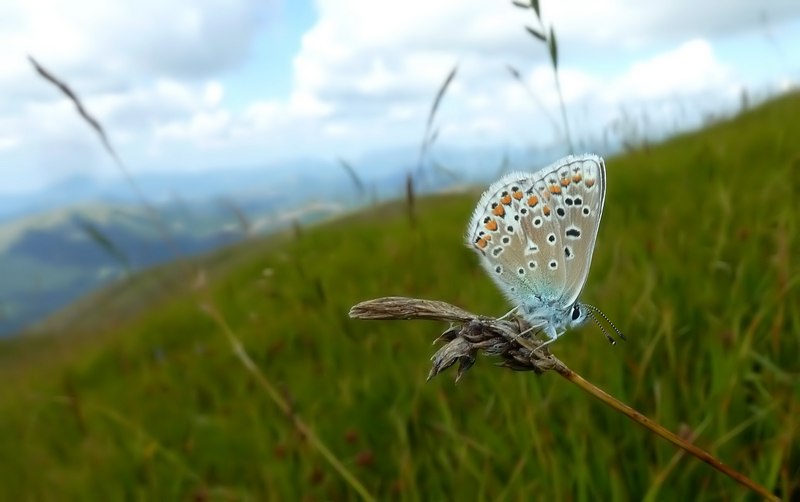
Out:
{"x": 546, "y": 210}
{"x": 589, "y": 183}
{"x": 518, "y": 195}
{"x": 564, "y": 182}
{"x": 533, "y": 200}
{"x": 577, "y": 178}
{"x": 555, "y": 189}
{"x": 491, "y": 225}
{"x": 482, "y": 243}
{"x": 506, "y": 199}
{"x": 499, "y": 211}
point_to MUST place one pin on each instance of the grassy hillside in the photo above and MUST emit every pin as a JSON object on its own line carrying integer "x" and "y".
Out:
{"x": 697, "y": 261}
{"x": 48, "y": 259}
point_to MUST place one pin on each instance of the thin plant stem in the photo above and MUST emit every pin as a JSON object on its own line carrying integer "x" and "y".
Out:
{"x": 563, "y": 111}
{"x": 284, "y": 405}
{"x": 153, "y": 444}
{"x": 470, "y": 334}
{"x": 208, "y": 306}
{"x": 657, "y": 429}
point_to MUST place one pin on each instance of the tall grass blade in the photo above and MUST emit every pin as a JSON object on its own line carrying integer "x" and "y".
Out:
{"x": 437, "y": 100}
{"x": 283, "y": 404}
{"x": 552, "y": 46}
{"x": 535, "y": 7}
{"x": 67, "y": 91}
{"x": 208, "y": 306}
{"x": 539, "y": 35}
{"x": 410, "y": 197}
{"x": 104, "y": 242}
{"x": 503, "y": 167}
{"x": 354, "y": 177}
{"x": 95, "y": 124}
{"x": 241, "y": 218}
{"x": 446, "y": 171}
{"x": 515, "y": 74}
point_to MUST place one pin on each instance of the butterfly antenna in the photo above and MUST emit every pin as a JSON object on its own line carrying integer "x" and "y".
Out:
{"x": 595, "y": 309}
{"x": 602, "y": 328}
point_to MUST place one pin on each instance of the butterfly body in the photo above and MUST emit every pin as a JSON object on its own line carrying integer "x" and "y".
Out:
{"x": 535, "y": 235}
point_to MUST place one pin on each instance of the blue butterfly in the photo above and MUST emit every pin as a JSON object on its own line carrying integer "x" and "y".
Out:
{"x": 535, "y": 234}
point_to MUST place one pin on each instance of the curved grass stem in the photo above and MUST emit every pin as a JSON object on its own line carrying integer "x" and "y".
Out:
{"x": 284, "y": 405}
{"x": 657, "y": 429}
{"x": 470, "y": 334}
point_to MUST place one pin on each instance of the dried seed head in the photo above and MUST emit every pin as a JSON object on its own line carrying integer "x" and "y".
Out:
{"x": 469, "y": 334}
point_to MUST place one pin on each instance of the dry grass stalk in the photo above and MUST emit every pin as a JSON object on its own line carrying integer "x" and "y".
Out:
{"x": 471, "y": 334}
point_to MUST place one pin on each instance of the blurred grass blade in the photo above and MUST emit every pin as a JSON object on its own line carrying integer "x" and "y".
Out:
{"x": 359, "y": 184}
{"x": 450, "y": 173}
{"x": 156, "y": 217}
{"x": 241, "y": 218}
{"x": 536, "y": 34}
{"x": 553, "y": 46}
{"x": 426, "y": 139}
{"x": 518, "y": 77}
{"x": 503, "y": 165}
{"x": 434, "y": 136}
{"x": 65, "y": 89}
{"x": 439, "y": 95}
{"x": 284, "y": 404}
{"x": 104, "y": 242}
{"x": 410, "y": 197}
{"x": 521, "y": 5}
{"x": 535, "y": 7}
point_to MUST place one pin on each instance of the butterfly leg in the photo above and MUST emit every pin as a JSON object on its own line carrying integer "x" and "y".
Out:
{"x": 548, "y": 342}
{"x": 508, "y": 313}
{"x": 526, "y": 331}
{"x": 531, "y": 328}
{"x": 549, "y": 331}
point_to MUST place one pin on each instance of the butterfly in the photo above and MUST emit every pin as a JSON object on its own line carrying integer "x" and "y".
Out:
{"x": 535, "y": 235}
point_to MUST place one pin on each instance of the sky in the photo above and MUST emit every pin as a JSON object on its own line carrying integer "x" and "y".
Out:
{"x": 197, "y": 85}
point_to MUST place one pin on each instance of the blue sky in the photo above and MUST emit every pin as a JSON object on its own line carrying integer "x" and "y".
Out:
{"x": 193, "y": 85}
{"x": 268, "y": 70}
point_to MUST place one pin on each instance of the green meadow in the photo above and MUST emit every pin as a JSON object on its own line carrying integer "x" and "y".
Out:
{"x": 136, "y": 393}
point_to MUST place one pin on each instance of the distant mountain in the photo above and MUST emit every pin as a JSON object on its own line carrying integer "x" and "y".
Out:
{"x": 81, "y": 233}
{"x": 50, "y": 259}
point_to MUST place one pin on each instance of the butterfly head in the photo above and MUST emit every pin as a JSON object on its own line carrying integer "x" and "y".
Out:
{"x": 578, "y": 315}
{"x": 554, "y": 319}
{"x": 554, "y": 322}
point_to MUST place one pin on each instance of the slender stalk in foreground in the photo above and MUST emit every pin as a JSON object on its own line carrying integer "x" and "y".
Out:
{"x": 284, "y": 405}
{"x": 208, "y": 304}
{"x": 471, "y": 334}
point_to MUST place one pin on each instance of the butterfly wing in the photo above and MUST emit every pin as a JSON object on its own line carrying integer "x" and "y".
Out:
{"x": 524, "y": 228}
{"x": 583, "y": 199}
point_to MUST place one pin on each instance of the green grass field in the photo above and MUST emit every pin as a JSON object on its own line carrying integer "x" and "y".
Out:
{"x": 697, "y": 261}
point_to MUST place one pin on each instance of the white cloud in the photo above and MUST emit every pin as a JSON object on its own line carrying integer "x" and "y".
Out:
{"x": 184, "y": 38}
{"x": 364, "y": 60}
{"x": 8, "y": 142}
{"x": 212, "y": 94}
{"x": 691, "y": 68}
{"x": 205, "y": 129}
{"x": 363, "y": 79}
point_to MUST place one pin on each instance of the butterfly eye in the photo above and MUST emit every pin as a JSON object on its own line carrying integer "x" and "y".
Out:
{"x": 576, "y": 312}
